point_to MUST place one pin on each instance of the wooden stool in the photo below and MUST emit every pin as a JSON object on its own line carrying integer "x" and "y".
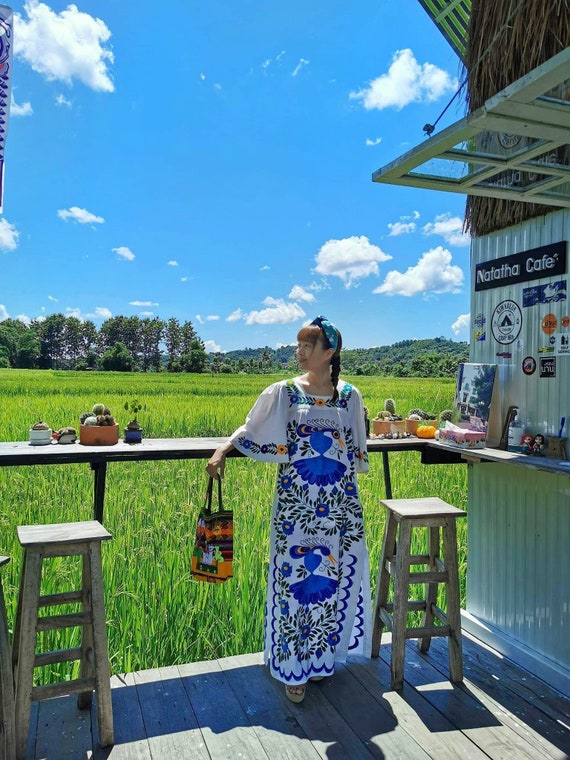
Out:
{"x": 62, "y": 540}
{"x": 7, "y": 721}
{"x": 432, "y": 513}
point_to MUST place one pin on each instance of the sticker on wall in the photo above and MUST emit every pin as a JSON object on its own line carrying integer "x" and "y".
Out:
{"x": 562, "y": 344}
{"x": 547, "y": 366}
{"x": 551, "y": 292}
{"x": 480, "y": 333}
{"x": 565, "y": 321}
{"x": 506, "y": 322}
{"x": 519, "y": 345}
{"x": 504, "y": 354}
{"x": 546, "y": 350}
{"x": 529, "y": 365}
{"x": 549, "y": 324}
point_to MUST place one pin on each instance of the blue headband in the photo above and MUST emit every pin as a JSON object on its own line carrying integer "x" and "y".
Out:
{"x": 329, "y": 330}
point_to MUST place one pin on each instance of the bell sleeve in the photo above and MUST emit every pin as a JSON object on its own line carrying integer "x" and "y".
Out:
{"x": 263, "y": 435}
{"x": 359, "y": 432}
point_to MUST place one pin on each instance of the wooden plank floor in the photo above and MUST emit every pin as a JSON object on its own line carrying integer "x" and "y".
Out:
{"x": 232, "y": 708}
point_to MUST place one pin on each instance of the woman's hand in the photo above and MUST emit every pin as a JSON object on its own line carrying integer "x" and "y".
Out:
{"x": 217, "y": 462}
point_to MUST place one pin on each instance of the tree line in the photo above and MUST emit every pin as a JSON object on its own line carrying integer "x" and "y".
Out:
{"x": 121, "y": 344}
{"x": 134, "y": 344}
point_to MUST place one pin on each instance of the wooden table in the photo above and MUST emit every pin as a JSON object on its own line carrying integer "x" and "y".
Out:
{"x": 153, "y": 449}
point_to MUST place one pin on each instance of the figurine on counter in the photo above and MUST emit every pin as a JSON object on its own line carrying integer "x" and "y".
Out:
{"x": 526, "y": 443}
{"x": 537, "y": 448}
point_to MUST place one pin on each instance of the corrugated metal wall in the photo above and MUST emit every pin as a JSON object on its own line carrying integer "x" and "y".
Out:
{"x": 519, "y": 519}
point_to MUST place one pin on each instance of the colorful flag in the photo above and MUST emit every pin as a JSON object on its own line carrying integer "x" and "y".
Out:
{"x": 6, "y": 41}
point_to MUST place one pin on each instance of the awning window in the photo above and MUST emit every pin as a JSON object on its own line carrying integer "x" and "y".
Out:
{"x": 517, "y": 146}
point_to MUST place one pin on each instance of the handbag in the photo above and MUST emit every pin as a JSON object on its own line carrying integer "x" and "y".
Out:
{"x": 212, "y": 556}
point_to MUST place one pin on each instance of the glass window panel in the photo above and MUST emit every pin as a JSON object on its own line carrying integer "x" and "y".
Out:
{"x": 558, "y": 157}
{"x": 443, "y": 168}
{"x": 514, "y": 179}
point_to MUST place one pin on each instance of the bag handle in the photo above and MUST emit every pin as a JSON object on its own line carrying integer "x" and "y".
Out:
{"x": 209, "y": 495}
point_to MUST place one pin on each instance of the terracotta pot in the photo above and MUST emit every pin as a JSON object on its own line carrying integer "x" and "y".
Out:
{"x": 380, "y": 427}
{"x": 397, "y": 426}
{"x": 412, "y": 426}
{"x": 99, "y": 435}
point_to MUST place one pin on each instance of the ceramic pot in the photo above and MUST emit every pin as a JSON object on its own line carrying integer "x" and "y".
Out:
{"x": 412, "y": 426}
{"x": 133, "y": 436}
{"x": 39, "y": 437}
{"x": 99, "y": 435}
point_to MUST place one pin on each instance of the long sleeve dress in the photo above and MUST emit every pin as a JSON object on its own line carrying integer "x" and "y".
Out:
{"x": 318, "y": 591}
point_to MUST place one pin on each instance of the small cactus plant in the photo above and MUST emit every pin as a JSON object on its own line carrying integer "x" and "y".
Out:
{"x": 99, "y": 415}
{"x": 390, "y": 406}
{"x": 446, "y": 415}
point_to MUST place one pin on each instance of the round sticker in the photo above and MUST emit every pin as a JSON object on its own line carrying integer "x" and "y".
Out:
{"x": 506, "y": 322}
{"x": 549, "y": 324}
{"x": 565, "y": 321}
{"x": 529, "y": 365}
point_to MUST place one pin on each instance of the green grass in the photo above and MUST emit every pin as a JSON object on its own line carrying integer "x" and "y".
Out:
{"x": 157, "y": 614}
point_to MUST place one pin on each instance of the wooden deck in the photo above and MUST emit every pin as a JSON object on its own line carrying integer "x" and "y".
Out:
{"x": 232, "y": 708}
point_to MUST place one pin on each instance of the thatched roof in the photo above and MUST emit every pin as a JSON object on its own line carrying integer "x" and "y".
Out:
{"x": 506, "y": 39}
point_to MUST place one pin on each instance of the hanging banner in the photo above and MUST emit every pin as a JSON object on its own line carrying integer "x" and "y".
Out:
{"x": 6, "y": 41}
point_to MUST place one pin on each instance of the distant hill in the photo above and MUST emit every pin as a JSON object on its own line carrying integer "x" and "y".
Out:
{"x": 432, "y": 357}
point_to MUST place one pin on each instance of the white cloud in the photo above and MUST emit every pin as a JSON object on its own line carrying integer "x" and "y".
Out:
{"x": 300, "y": 294}
{"x": 3, "y": 313}
{"x": 64, "y": 46}
{"x": 63, "y": 101}
{"x": 143, "y": 303}
{"x": 202, "y": 76}
{"x": 100, "y": 312}
{"x": 415, "y": 214}
{"x": 146, "y": 313}
{"x": 8, "y": 236}
{"x": 235, "y": 316}
{"x": 278, "y": 312}
{"x": 376, "y": 141}
{"x": 407, "y": 81}
{"x": 52, "y": 298}
{"x": 20, "y": 109}
{"x": 264, "y": 268}
{"x": 26, "y": 320}
{"x": 401, "y": 228}
{"x": 212, "y": 318}
{"x": 172, "y": 263}
{"x": 350, "y": 259}
{"x": 217, "y": 86}
{"x": 212, "y": 347}
{"x": 461, "y": 324}
{"x": 450, "y": 228}
{"x": 79, "y": 215}
{"x": 124, "y": 253}
{"x": 184, "y": 279}
{"x": 199, "y": 319}
{"x": 299, "y": 66}
{"x": 434, "y": 273}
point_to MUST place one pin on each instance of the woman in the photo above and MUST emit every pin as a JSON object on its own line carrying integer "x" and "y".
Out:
{"x": 318, "y": 589}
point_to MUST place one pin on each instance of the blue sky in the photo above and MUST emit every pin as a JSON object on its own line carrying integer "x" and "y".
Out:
{"x": 212, "y": 162}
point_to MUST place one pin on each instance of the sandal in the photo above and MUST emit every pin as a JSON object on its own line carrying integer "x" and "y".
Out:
{"x": 295, "y": 693}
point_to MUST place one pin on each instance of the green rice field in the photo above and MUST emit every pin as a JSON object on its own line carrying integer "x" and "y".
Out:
{"x": 157, "y": 613}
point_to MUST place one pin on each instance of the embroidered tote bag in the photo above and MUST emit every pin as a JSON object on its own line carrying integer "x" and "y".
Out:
{"x": 212, "y": 557}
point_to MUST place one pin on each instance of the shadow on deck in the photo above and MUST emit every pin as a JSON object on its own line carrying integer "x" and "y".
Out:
{"x": 232, "y": 708}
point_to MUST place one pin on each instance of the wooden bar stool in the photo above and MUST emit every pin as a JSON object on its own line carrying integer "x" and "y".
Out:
{"x": 403, "y": 516}
{"x": 7, "y": 721}
{"x": 62, "y": 540}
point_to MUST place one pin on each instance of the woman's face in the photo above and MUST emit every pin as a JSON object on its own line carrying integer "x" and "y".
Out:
{"x": 313, "y": 356}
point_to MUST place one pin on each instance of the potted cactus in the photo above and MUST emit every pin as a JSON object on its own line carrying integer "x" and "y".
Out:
{"x": 133, "y": 430}
{"x": 40, "y": 434}
{"x": 387, "y": 421}
{"x": 417, "y": 417}
{"x": 98, "y": 427}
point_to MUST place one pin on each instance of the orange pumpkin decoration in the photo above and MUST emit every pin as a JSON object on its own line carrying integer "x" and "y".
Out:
{"x": 426, "y": 431}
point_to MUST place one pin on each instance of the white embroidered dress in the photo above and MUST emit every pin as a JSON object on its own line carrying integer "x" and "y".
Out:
{"x": 318, "y": 592}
